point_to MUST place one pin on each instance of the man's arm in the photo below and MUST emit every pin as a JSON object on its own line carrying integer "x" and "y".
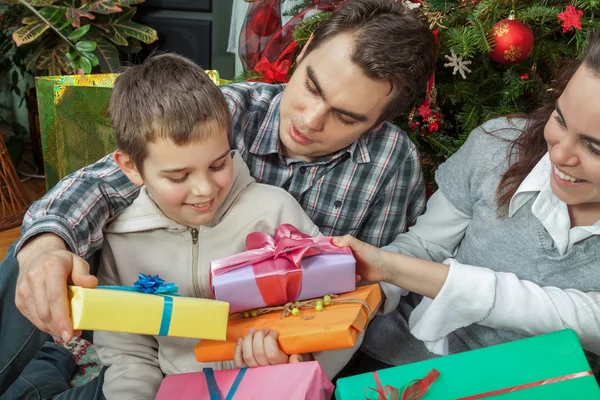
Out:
{"x": 398, "y": 204}
{"x": 68, "y": 219}
{"x": 79, "y": 206}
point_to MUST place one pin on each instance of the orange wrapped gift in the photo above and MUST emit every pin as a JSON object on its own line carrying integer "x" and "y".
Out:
{"x": 336, "y": 327}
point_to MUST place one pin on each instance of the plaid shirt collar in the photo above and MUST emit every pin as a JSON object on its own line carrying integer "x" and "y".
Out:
{"x": 267, "y": 139}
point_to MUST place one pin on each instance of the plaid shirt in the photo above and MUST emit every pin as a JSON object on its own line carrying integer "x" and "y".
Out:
{"x": 372, "y": 190}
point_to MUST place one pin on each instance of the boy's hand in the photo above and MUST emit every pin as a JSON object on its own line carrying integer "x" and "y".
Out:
{"x": 260, "y": 348}
{"x": 370, "y": 262}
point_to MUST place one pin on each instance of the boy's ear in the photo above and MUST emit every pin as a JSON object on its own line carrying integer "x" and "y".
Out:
{"x": 128, "y": 167}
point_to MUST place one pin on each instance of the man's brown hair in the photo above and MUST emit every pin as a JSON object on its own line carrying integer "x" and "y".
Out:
{"x": 391, "y": 43}
{"x": 166, "y": 97}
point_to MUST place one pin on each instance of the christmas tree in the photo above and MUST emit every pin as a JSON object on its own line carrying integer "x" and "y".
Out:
{"x": 496, "y": 57}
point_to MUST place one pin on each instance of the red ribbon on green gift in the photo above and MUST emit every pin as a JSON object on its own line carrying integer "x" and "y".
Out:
{"x": 418, "y": 388}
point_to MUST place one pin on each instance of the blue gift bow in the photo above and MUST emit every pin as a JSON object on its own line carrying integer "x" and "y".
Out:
{"x": 153, "y": 285}
{"x": 213, "y": 389}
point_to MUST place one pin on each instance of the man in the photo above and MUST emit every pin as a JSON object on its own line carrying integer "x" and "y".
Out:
{"x": 323, "y": 137}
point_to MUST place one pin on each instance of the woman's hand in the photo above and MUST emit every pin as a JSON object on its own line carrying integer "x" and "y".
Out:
{"x": 370, "y": 261}
{"x": 259, "y": 348}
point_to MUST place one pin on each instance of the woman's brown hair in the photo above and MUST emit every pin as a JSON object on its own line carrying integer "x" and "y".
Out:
{"x": 530, "y": 146}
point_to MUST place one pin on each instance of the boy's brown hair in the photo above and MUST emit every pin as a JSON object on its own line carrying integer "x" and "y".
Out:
{"x": 391, "y": 43}
{"x": 166, "y": 97}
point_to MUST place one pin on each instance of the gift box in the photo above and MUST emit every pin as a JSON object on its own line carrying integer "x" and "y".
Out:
{"x": 297, "y": 381}
{"x": 286, "y": 267}
{"x": 147, "y": 314}
{"x": 551, "y": 366}
{"x": 74, "y": 122}
{"x": 337, "y": 326}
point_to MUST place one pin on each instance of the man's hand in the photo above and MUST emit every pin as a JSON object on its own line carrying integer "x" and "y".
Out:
{"x": 45, "y": 268}
{"x": 259, "y": 348}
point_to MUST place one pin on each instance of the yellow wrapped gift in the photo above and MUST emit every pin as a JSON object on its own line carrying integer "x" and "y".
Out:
{"x": 148, "y": 314}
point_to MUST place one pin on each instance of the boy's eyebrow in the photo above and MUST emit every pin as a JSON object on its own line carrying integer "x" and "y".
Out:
{"x": 311, "y": 75}
{"x": 222, "y": 155}
{"x": 180, "y": 169}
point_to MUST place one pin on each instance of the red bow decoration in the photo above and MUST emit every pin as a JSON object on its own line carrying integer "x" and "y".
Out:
{"x": 277, "y": 261}
{"x": 415, "y": 390}
{"x": 272, "y": 72}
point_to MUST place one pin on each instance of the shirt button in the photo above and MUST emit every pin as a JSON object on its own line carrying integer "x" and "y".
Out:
{"x": 337, "y": 204}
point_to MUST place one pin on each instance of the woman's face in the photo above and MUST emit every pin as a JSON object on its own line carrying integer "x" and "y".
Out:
{"x": 573, "y": 137}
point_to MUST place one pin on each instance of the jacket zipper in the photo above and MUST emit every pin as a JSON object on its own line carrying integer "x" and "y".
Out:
{"x": 195, "y": 251}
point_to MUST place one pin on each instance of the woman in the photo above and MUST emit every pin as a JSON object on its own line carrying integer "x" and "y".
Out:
{"x": 510, "y": 244}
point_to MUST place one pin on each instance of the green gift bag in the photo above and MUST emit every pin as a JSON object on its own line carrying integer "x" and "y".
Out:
{"x": 551, "y": 366}
{"x": 74, "y": 121}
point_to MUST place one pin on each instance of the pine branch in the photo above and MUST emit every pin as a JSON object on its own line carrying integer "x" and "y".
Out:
{"x": 305, "y": 28}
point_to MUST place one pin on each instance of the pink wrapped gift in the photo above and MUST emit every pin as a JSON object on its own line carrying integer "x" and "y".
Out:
{"x": 305, "y": 380}
{"x": 277, "y": 270}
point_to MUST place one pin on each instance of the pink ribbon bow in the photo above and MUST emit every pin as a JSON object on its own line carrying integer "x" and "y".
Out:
{"x": 277, "y": 261}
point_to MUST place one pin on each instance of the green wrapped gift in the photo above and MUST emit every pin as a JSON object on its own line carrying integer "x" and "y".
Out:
{"x": 551, "y": 366}
{"x": 74, "y": 121}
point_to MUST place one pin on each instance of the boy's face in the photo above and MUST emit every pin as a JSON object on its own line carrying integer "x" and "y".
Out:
{"x": 329, "y": 102}
{"x": 189, "y": 182}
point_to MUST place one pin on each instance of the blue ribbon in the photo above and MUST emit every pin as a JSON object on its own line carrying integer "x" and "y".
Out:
{"x": 153, "y": 285}
{"x": 213, "y": 389}
{"x": 147, "y": 284}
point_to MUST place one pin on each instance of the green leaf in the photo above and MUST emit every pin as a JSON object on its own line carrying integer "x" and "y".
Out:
{"x": 108, "y": 56}
{"x": 54, "y": 60}
{"x": 71, "y": 55}
{"x": 29, "y": 33}
{"x": 86, "y": 45}
{"x": 86, "y": 65}
{"x": 123, "y": 24}
{"x": 75, "y": 64}
{"x": 92, "y": 57}
{"x": 52, "y": 14}
{"x": 79, "y": 33}
{"x": 17, "y": 90}
{"x": 129, "y": 2}
{"x": 30, "y": 20}
{"x": 115, "y": 36}
{"x": 102, "y": 7}
{"x": 76, "y": 14}
{"x": 15, "y": 78}
{"x": 65, "y": 24}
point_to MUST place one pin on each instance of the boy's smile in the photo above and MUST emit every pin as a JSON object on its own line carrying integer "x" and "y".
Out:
{"x": 189, "y": 182}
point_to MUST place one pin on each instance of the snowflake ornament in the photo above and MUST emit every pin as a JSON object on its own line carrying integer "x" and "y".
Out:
{"x": 458, "y": 64}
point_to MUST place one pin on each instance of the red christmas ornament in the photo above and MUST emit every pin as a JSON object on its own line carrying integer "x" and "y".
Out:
{"x": 265, "y": 22}
{"x": 513, "y": 42}
{"x": 571, "y": 18}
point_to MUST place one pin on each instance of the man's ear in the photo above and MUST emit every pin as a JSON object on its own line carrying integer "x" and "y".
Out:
{"x": 301, "y": 55}
{"x": 127, "y": 165}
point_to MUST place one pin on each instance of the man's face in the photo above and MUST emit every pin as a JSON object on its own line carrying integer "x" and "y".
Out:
{"x": 329, "y": 102}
